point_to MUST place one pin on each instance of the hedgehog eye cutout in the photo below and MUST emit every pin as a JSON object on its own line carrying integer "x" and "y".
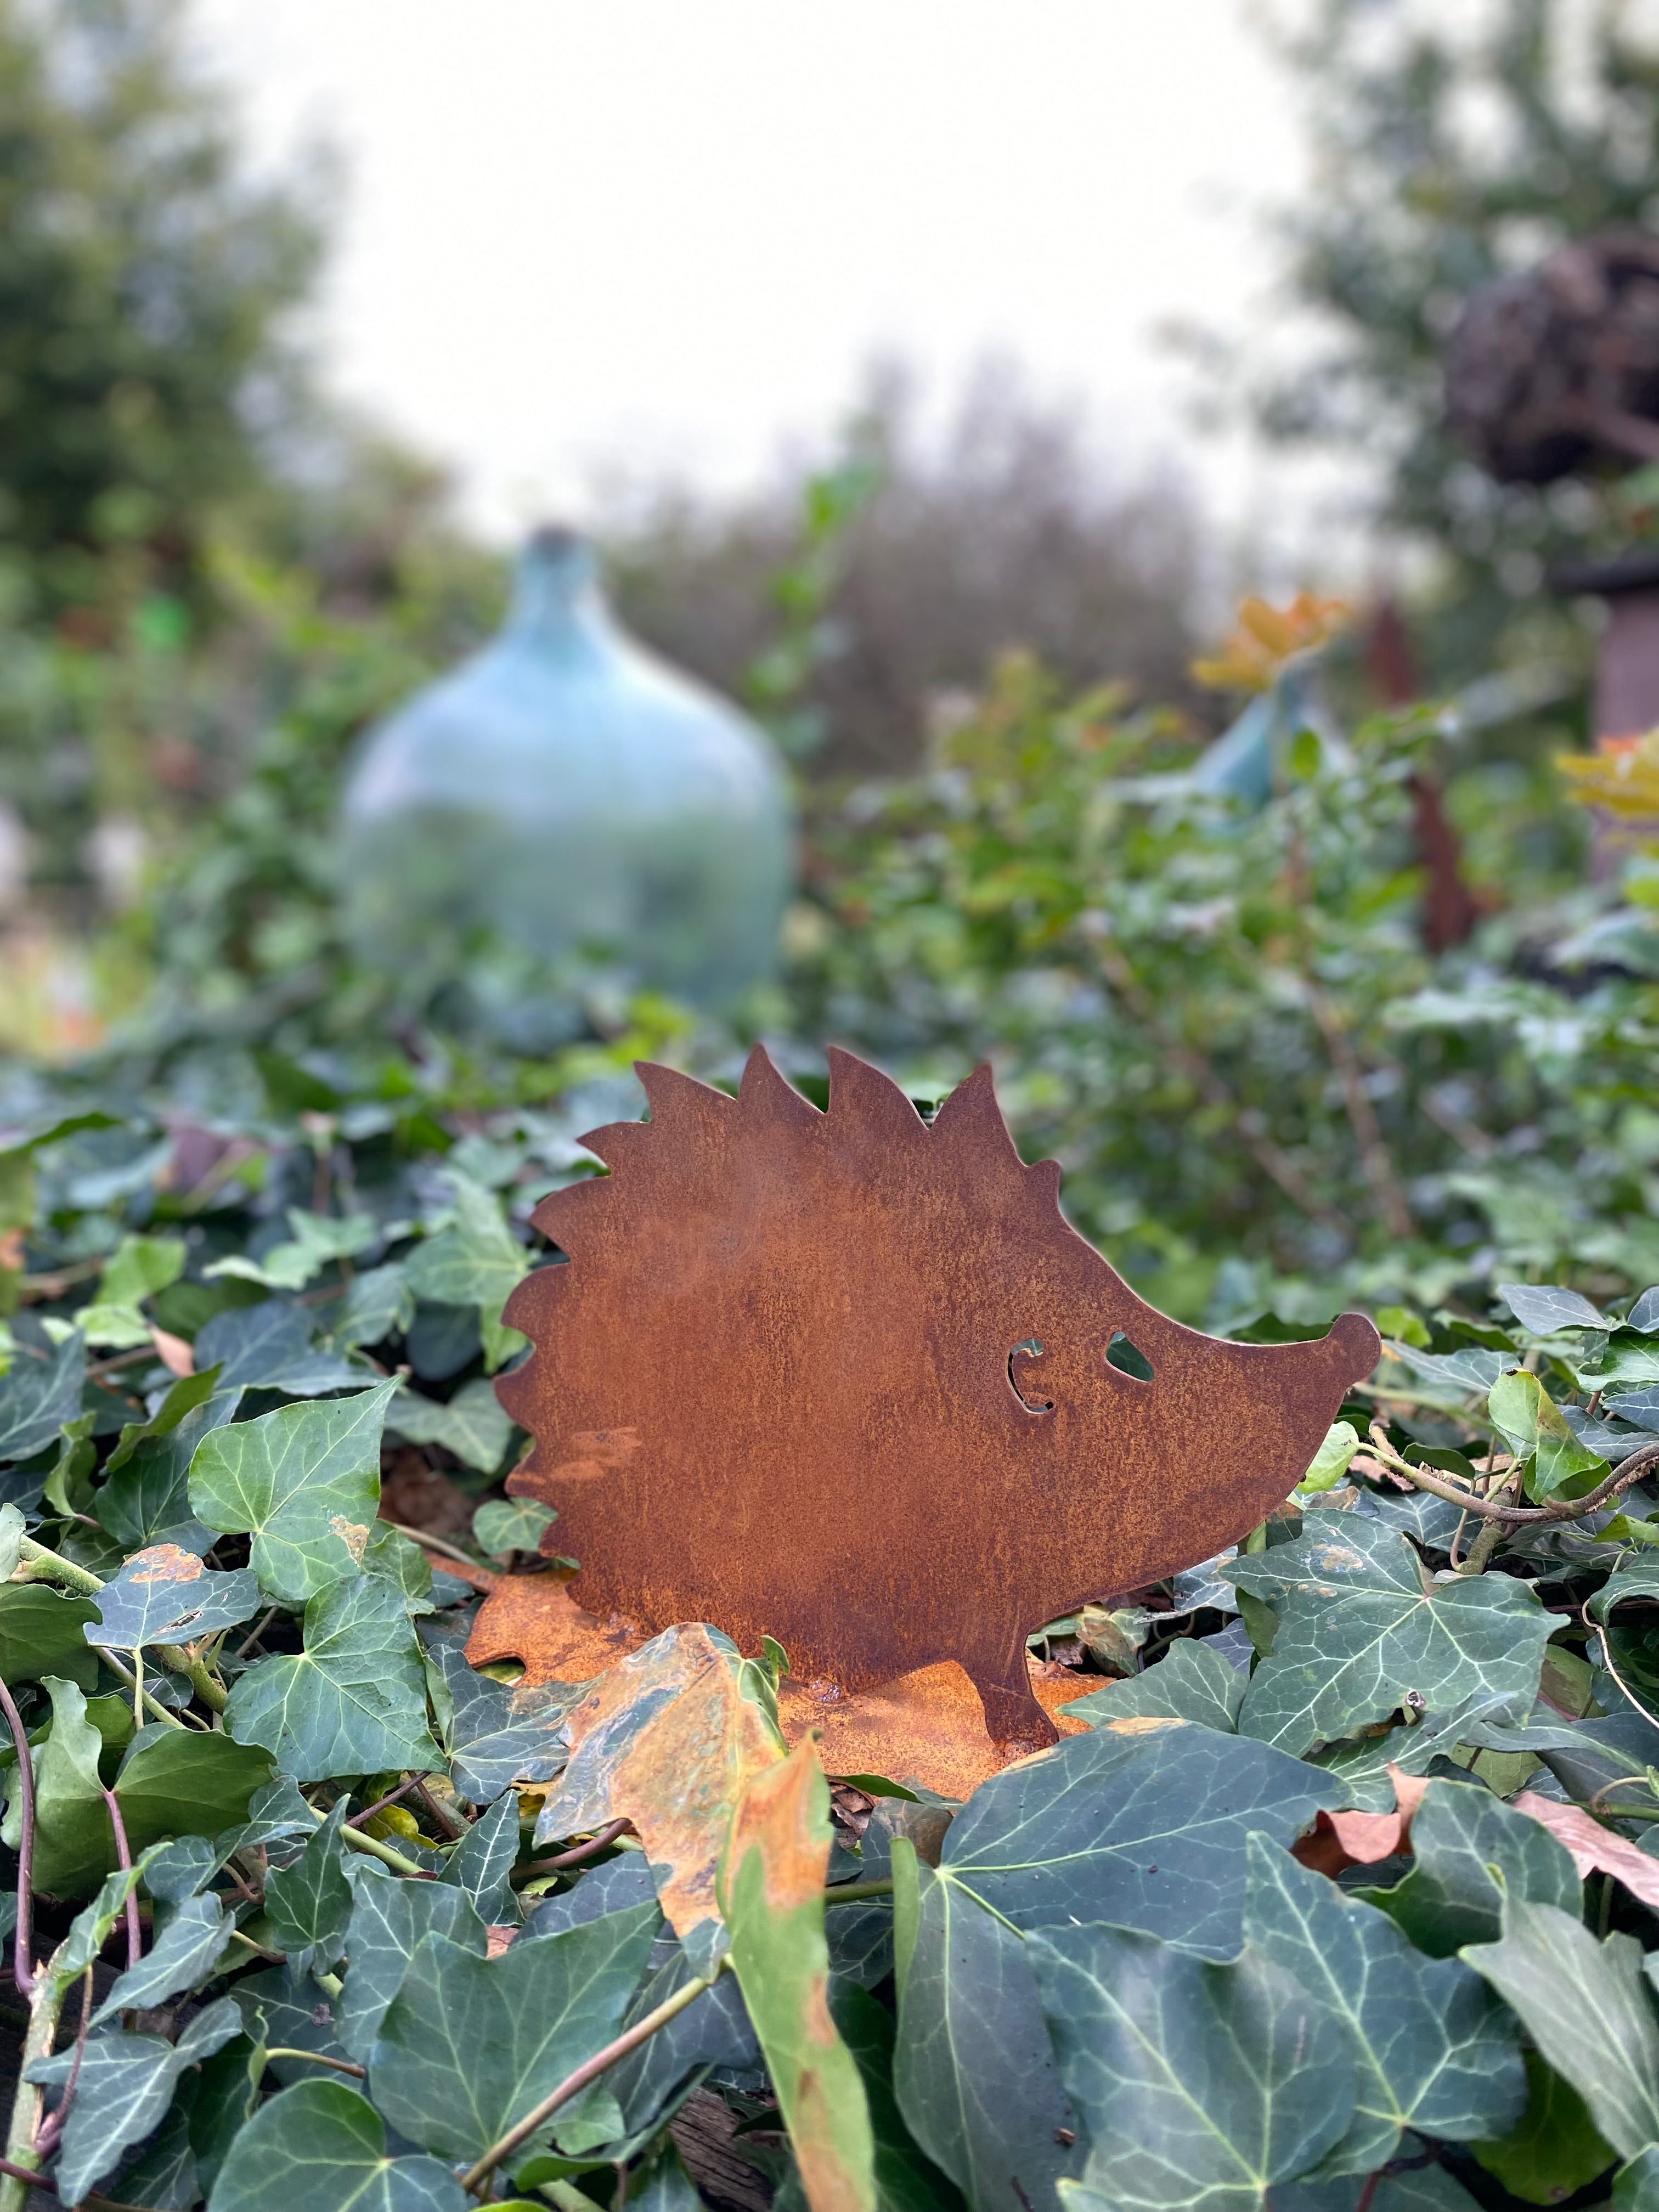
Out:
{"x": 1023, "y": 1380}
{"x": 1128, "y": 1358}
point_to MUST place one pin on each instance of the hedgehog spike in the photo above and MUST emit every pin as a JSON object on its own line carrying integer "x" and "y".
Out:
{"x": 860, "y": 1093}
{"x": 677, "y": 1099}
{"x": 765, "y": 1095}
{"x": 971, "y": 1115}
{"x": 615, "y": 1142}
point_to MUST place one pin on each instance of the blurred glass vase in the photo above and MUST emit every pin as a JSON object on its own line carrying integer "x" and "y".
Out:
{"x": 563, "y": 804}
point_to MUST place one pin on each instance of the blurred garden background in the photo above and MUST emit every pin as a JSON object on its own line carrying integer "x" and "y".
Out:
{"x": 1200, "y": 768}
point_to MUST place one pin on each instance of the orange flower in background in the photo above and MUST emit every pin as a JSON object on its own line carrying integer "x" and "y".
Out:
{"x": 1266, "y": 637}
{"x": 1622, "y": 775}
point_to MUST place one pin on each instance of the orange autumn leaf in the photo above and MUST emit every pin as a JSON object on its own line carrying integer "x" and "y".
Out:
{"x": 1264, "y": 637}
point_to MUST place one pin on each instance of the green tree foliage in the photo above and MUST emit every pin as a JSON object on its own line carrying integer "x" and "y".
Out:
{"x": 1451, "y": 146}
{"x": 143, "y": 281}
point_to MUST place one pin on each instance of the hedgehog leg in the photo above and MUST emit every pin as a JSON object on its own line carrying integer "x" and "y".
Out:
{"x": 1015, "y": 1721}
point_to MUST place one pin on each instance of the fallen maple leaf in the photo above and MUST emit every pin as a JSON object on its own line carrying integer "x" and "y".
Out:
{"x": 174, "y": 1353}
{"x": 1337, "y": 1840}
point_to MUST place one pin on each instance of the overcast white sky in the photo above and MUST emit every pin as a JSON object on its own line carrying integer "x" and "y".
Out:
{"x": 579, "y": 237}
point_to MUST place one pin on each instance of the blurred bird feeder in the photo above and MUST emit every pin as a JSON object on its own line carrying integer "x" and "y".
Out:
{"x": 562, "y": 800}
{"x": 1555, "y": 373}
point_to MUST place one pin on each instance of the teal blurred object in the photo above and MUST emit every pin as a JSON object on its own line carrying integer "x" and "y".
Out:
{"x": 569, "y": 799}
{"x": 1247, "y": 758}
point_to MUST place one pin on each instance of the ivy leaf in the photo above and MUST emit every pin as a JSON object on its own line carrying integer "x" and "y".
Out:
{"x": 480, "y": 1863}
{"x": 1535, "y": 1429}
{"x": 1470, "y": 1851}
{"x": 280, "y": 2012}
{"x": 504, "y": 1525}
{"x": 1586, "y": 2006}
{"x": 187, "y": 1951}
{"x": 93, "y": 1925}
{"x": 1147, "y": 1832}
{"x": 1199, "y": 2084}
{"x": 352, "y": 1702}
{"x": 497, "y": 1736}
{"x": 165, "y": 1595}
{"x": 1190, "y": 1682}
{"x": 1434, "y": 2049}
{"x": 771, "y": 1893}
{"x": 473, "y": 1424}
{"x": 1552, "y": 2151}
{"x": 390, "y": 1920}
{"x": 37, "y": 1394}
{"x": 189, "y": 1392}
{"x": 73, "y": 1841}
{"x": 378, "y": 1303}
{"x": 304, "y": 1482}
{"x": 476, "y": 1262}
{"x": 1543, "y": 1309}
{"x": 124, "y": 2088}
{"x": 309, "y": 1904}
{"x": 316, "y": 1240}
{"x": 468, "y": 2045}
{"x": 136, "y": 1270}
{"x": 43, "y": 1633}
{"x": 319, "y": 2146}
{"x": 269, "y": 1347}
{"x": 147, "y": 1500}
{"x": 392, "y": 1557}
{"x": 668, "y": 1738}
{"x": 1360, "y": 1629}
{"x": 177, "y": 1782}
{"x": 974, "y": 2069}
{"x": 1330, "y": 1462}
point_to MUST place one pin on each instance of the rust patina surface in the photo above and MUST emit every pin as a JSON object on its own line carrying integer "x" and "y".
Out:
{"x": 844, "y": 1379}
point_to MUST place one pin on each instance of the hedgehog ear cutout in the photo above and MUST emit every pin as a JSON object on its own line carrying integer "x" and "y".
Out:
{"x": 678, "y": 1102}
{"x": 615, "y": 1142}
{"x": 970, "y": 1118}
{"x": 765, "y": 1095}
{"x": 862, "y": 1095}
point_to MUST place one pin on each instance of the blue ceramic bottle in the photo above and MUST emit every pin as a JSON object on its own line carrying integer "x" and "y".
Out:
{"x": 565, "y": 794}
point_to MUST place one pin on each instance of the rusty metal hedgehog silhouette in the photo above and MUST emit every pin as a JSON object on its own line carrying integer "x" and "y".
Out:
{"x": 850, "y": 1380}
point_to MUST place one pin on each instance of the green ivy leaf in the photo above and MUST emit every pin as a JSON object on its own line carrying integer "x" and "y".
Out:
{"x": 1543, "y": 1309}
{"x": 973, "y": 2066}
{"x": 316, "y": 1240}
{"x": 1535, "y": 1429}
{"x": 278, "y": 2011}
{"x": 468, "y": 2045}
{"x": 480, "y": 1863}
{"x": 504, "y": 1525}
{"x": 1147, "y": 1832}
{"x": 472, "y": 1425}
{"x": 390, "y": 1920}
{"x": 269, "y": 1347}
{"x": 187, "y": 1952}
{"x": 147, "y": 1500}
{"x": 1587, "y": 2007}
{"x": 1361, "y": 1628}
{"x": 1552, "y": 2151}
{"x": 165, "y": 1595}
{"x": 379, "y": 1303}
{"x": 352, "y": 1702}
{"x": 309, "y": 1903}
{"x": 1190, "y": 1682}
{"x": 73, "y": 1841}
{"x": 476, "y": 1262}
{"x": 319, "y": 2146}
{"x": 1330, "y": 1463}
{"x": 304, "y": 1482}
{"x": 136, "y": 1270}
{"x": 125, "y": 2085}
{"x": 37, "y": 1394}
{"x": 43, "y": 1633}
{"x": 189, "y": 1392}
{"x": 1199, "y": 2084}
{"x": 1434, "y": 2048}
{"x": 497, "y": 1736}
{"x": 179, "y": 1782}
{"x": 1470, "y": 1851}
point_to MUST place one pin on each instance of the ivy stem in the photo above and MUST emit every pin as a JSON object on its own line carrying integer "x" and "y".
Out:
{"x": 428, "y": 1542}
{"x": 372, "y": 1847}
{"x": 851, "y": 1893}
{"x": 318, "y": 2058}
{"x": 124, "y": 1860}
{"x": 601, "y": 1840}
{"x": 630, "y": 2039}
{"x": 22, "y": 1966}
{"x": 1517, "y": 1516}
{"x": 45, "y": 2006}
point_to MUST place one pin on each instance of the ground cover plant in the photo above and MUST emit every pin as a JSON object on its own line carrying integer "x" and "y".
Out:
{"x": 1340, "y": 1895}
